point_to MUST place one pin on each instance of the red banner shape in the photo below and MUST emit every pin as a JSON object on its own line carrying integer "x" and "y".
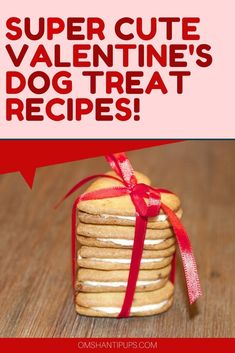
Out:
{"x": 25, "y": 156}
{"x": 143, "y": 345}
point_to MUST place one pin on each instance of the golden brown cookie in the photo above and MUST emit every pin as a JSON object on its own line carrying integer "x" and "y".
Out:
{"x": 151, "y": 244}
{"x": 105, "y": 219}
{"x": 109, "y": 304}
{"x": 119, "y": 259}
{"x": 89, "y": 280}
{"x": 117, "y": 231}
{"x": 123, "y": 205}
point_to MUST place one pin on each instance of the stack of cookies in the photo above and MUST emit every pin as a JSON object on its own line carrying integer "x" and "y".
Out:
{"x": 105, "y": 234}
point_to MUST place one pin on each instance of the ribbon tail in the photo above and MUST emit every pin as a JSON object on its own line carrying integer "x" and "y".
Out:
{"x": 137, "y": 251}
{"x": 188, "y": 259}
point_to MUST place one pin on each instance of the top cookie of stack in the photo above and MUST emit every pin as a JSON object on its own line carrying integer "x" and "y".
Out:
{"x": 106, "y": 232}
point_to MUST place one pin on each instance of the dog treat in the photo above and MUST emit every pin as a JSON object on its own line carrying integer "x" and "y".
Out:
{"x": 119, "y": 231}
{"x": 151, "y": 244}
{"x": 122, "y": 205}
{"x": 105, "y": 233}
{"x": 89, "y": 280}
{"x": 123, "y": 243}
{"x": 119, "y": 259}
{"x": 108, "y": 304}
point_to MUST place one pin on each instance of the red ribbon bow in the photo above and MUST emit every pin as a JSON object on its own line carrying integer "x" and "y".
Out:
{"x": 147, "y": 202}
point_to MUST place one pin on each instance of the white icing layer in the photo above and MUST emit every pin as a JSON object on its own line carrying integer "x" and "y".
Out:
{"x": 122, "y": 261}
{"x": 125, "y": 261}
{"x": 129, "y": 242}
{"x": 159, "y": 218}
{"x": 118, "y": 284}
{"x": 134, "y": 309}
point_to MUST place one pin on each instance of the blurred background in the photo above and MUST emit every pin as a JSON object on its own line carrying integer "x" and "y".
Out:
{"x": 35, "y": 282}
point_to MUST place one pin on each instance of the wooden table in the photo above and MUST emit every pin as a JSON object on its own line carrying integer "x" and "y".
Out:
{"x": 35, "y": 287}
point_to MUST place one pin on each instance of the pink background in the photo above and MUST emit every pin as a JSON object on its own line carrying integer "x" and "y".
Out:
{"x": 205, "y": 110}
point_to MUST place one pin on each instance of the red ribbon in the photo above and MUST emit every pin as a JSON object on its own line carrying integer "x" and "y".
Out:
{"x": 147, "y": 202}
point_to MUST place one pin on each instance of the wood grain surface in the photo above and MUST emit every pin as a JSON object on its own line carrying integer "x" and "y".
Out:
{"x": 35, "y": 280}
